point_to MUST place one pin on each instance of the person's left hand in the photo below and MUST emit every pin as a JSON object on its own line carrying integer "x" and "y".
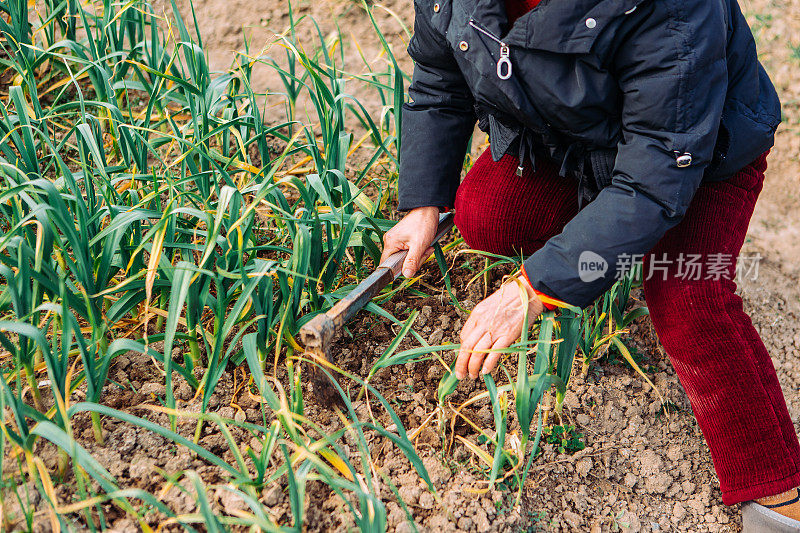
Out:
{"x": 494, "y": 324}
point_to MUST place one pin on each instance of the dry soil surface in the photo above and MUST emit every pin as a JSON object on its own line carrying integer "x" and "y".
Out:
{"x": 642, "y": 470}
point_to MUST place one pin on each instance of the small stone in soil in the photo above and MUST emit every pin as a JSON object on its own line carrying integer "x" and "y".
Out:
{"x": 426, "y": 500}
{"x": 465, "y": 523}
{"x": 157, "y": 389}
{"x": 141, "y": 467}
{"x": 272, "y": 496}
{"x": 573, "y": 519}
{"x": 409, "y": 493}
{"x": 678, "y": 512}
{"x": 583, "y": 466}
{"x": 183, "y": 392}
{"x": 404, "y": 527}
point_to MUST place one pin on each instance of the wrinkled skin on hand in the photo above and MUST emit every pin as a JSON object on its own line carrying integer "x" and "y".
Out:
{"x": 494, "y": 324}
{"x": 414, "y": 233}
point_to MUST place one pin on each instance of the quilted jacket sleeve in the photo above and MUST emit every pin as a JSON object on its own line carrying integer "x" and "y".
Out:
{"x": 673, "y": 98}
{"x": 438, "y": 121}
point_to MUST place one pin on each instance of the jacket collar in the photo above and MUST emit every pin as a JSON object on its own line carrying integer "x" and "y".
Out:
{"x": 565, "y": 26}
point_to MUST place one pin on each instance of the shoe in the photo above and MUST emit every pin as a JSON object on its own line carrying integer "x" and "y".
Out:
{"x": 758, "y": 519}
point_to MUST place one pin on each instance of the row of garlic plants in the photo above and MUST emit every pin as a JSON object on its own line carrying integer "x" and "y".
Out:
{"x": 149, "y": 204}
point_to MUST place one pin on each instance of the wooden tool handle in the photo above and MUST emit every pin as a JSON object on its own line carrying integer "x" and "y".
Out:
{"x": 321, "y": 329}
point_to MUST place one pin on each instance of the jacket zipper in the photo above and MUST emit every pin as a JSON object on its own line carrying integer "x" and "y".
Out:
{"x": 522, "y": 152}
{"x": 504, "y": 67}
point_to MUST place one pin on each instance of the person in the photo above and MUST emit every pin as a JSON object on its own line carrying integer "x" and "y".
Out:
{"x": 619, "y": 131}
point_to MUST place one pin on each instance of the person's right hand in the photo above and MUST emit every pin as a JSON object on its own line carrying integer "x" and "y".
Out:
{"x": 414, "y": 233}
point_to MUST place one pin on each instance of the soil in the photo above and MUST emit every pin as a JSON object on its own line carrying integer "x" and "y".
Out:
{"x": 776, "y": 223}
{"x": 642, "y": 469}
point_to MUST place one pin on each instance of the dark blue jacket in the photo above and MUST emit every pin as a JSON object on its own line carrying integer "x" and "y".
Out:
{"x": 638, "y": 100}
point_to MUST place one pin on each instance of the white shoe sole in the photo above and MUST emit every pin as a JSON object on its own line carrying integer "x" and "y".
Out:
{"x": 759, "y": 519}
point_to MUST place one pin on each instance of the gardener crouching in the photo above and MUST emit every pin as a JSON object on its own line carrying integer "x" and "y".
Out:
{"x": 619, "y": 129}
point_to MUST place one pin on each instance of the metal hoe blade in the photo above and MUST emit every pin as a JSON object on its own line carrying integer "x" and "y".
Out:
{"x": 318, "y": 334}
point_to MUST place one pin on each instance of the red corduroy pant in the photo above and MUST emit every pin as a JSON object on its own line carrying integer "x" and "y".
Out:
{"x": 717, "y": 353}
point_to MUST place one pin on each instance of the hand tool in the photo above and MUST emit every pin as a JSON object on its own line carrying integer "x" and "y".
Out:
{"x": 318, "y": 334}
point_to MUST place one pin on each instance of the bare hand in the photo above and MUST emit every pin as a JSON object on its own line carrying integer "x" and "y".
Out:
{"x": 414, "y": 233}
{"x": 494, "y": 324}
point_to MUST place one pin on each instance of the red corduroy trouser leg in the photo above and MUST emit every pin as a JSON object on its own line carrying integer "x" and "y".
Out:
{"x": 717, "y": 353}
